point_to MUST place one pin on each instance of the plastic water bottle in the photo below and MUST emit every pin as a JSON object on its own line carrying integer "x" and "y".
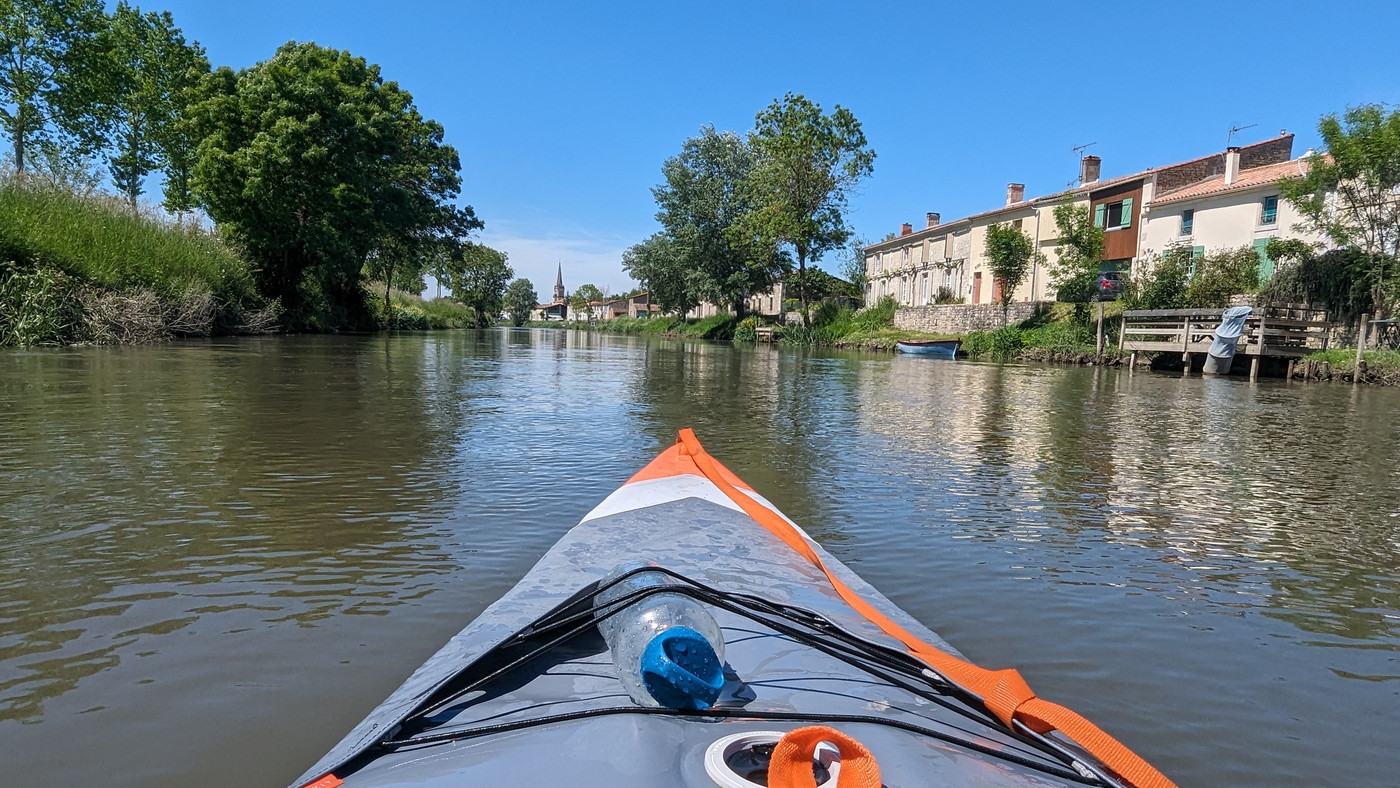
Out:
{"x": 668, "y": 652}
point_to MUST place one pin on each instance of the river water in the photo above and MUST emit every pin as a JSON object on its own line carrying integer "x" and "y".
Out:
{"x": 216, "y": 557}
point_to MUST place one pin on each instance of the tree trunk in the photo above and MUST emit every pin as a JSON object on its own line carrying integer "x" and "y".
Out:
{"x": 388, "y": 308}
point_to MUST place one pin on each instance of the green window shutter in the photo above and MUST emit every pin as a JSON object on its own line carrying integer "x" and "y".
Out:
{"x": 1098, "y": 215}
{"x": 1266, "y": 266}
{"x": 1197, "y": 252}
{"x": 1127, "y": 219}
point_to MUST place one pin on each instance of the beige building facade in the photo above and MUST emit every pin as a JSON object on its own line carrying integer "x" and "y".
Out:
{"x": 1132, "y": 209}
{"x": 1227, "y": 211}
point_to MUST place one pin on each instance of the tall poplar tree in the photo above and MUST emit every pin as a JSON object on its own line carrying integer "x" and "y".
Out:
{"x": 51, "y": 70}
{"x": 153, "y": 71}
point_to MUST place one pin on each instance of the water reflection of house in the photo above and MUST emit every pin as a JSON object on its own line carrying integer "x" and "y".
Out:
{"x": 915, "y": 266}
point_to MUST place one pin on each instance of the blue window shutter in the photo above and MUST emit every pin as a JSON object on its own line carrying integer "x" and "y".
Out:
{"x": 1127, "y": 219}
{"x": 1098, "y": 215}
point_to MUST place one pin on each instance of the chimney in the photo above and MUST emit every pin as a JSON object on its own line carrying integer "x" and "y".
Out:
{"x": 1232, "y": 165}
{"x": 1089, "y": 169}
{"x": 905, "y": 229}
{"x": 932, "y": 220}
{"x": 1015, "y": 192}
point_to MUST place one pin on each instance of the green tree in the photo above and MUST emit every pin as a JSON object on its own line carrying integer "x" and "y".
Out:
{"x": 520, "y": 300}
{"x": 700, "y": 203}
{"x": 310, "y": 161}
{"x": 662, "y": 269}
{"x": 51, "y": 68}
{"x": 153, "y": 70}
{"x": 582, "y": 297}
{"x": 1163, "y": 286}
{"x": 1349, "y": 195}
{"x": 821, "y": 285}
{"x": 1079, "y": 254}
{"x": 853, "y": 263}
{"x": 477, "y": 276}
{"x": 1221, "y": 274}
{"x": 1327, "y": 280}
{"x": 1009, "y": 256}
{"x": 807, "y": 163}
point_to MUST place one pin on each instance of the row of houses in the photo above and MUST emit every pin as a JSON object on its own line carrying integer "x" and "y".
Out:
{"x": 1225, "y": 200}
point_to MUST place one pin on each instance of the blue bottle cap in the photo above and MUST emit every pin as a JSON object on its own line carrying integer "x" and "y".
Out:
{"x": 681, "y": 670}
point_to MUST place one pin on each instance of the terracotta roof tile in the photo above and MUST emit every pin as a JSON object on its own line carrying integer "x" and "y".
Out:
{"x": 1247, "y": 179}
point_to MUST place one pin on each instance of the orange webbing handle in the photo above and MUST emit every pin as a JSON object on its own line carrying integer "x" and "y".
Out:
{"x": 791, "y": 763}
{"x": 1004, "y": 692}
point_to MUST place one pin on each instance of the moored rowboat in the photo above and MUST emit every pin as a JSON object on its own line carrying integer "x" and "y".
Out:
{"x": 823, "y": 675}
{"x": 938, "y": 348}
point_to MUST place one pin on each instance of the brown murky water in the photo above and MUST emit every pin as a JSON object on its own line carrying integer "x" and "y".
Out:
{"x": 216, "y": 558}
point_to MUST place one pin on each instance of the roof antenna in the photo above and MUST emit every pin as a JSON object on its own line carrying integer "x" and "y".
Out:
{"x": 1079, "y": 150}
{"x": 1230, "y": 138}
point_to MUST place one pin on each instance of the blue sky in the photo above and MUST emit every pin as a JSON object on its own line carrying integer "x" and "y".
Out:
{"x": 564, "y": 112}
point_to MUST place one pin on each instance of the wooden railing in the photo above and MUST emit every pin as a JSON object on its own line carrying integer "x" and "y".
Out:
{"x": 1191, "y": 331}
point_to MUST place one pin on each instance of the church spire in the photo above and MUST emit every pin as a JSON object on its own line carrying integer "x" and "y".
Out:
{"x": 559, "y": 284}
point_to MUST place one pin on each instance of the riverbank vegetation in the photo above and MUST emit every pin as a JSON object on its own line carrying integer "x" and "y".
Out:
{"x": 286, "y": 187}
{"x": 75, "y": 269}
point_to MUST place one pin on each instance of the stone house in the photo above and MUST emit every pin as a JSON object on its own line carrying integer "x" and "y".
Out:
{"x": 913, "y": 266}
{"x": 1226, "y": 210}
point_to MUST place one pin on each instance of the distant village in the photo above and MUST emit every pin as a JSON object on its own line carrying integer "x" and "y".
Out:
{"x": 1227, "y": 199}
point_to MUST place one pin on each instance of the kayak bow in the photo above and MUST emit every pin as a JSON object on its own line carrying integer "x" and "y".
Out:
{"x": 527, "y": 691}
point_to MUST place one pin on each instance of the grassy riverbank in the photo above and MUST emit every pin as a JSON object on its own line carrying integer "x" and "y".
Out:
{"x": 1381, "y": 367}
{"x": 88, "y": 269}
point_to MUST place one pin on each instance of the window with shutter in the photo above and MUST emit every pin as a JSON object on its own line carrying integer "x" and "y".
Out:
{"x": 1270, "y": 213}
{"x": 1126, "y": 218}
{"x": 1197, "y": 252}
{"x": 1188, "y": 221}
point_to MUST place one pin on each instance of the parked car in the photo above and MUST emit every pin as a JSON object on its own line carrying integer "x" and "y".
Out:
{"x": 1112, "y": 284}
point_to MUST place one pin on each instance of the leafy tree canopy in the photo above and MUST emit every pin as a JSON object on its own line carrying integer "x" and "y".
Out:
{"x": 702, "y": 199}
{"x": 520, "y": 300}
{"x": 51, "y": 71}
{"x": 1349, "y": 196}
{"x": 1078, "y": 255}
{"x": 1009, "y": 256}
{"x": 807, "y": 163}
{"x": 152, "y": 72}
{"x": 662, "y": 268}
{"x": 310, "y": 161}
{"x": 477, "y": 276}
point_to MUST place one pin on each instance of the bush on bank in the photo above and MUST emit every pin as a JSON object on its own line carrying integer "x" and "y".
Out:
{"x": 85, "y": 269}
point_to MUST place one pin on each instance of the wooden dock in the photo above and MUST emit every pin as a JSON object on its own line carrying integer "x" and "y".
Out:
{"x": 1191, "y": 331}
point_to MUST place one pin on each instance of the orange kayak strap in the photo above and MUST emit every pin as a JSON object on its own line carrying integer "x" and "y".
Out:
{"x": 1004, "y": 692}
{"x": 791, "y": 763}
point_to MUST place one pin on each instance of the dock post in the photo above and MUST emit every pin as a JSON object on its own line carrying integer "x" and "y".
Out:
{"x": 1360, "y": 346}
{"x": 1132, "y": 361}
{"x": 1098, "y": 344}
{"x": 1254, "y": 369}
{"x": 1186, "y": 366}
{"x": 1292, "y": 362}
